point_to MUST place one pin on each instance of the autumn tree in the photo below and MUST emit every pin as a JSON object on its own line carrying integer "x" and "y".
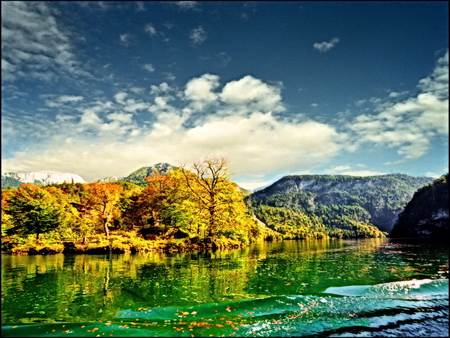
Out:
{"x": 102, "y": 200}
{"x": 33, "y": 210}
{"x": 6, "y": 218}
{"x": 209, "y": 184}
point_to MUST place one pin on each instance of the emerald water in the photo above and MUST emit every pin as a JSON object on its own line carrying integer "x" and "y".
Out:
{"x": 371, "y": 287}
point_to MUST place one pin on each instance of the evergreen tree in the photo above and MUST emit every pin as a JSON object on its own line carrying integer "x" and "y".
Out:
{"x": 33, "y": 210}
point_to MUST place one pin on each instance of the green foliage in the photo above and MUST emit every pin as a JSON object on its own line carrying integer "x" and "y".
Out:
{"x": 10, "y": 182}
{"x": 173, "y": 211}
{"x": 372, "y": 200}
{"x": 33, "y": 210}
{"x": 426, "y": 215}
{"x": 176, "y": 209}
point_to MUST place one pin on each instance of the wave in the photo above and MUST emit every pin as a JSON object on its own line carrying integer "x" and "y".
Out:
{"x": 398, "y": 308}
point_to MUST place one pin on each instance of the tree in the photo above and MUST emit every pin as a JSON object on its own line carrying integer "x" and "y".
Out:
{"x": 219, "y": 201}
{"x": 102, "y": 200}
{"x": 206, "y": 182}
{"x": 33, "y": 210}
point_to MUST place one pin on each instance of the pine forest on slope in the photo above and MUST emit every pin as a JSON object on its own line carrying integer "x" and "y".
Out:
{"x": 338, "y": 201}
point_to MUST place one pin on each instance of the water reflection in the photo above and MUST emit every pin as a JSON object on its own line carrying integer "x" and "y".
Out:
{"x": 80, "y": 288}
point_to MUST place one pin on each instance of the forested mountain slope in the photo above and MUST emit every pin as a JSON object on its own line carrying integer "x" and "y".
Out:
{"x": 10, "y": 182}
{"x": 338, "y": 201}
{"x": 138, "y": 176}
{"x": 427, "y": 214}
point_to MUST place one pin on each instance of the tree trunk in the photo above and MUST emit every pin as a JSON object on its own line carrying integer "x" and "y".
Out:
{"x": 105, "y": 225}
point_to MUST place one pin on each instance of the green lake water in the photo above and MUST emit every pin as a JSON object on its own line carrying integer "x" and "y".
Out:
{"x": 363, "y": 288}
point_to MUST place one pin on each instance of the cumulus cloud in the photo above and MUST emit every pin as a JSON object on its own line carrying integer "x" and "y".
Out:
{"x": 198, "y": 35}
{"x": 34, "y": 45}
{"x": 105, "y": 139}
{"x": 409, "y": 124}
{"x": 199, "y": 91}
{"x": 326, "y": 46}
{"x": 252, "y": 93}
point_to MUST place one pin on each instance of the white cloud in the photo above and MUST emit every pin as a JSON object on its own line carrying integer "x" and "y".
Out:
{"x": 126, "y": 39}
{"x": 132, "y": 106}
{"x": 437, "y": 82}
{"x": 63, "y": 99}
{"x": 162, "y": 88}
{"x": 140, "y": 6}
{"x": 349, "y": 170}
{"x": 94, "y": 5}
{"x": 253, "y": 93}
{"x": 104, "y": 139}
{"x": 361, "y": 173}
{"x": 150, "y": 29}
{"x": 341, "y": 168}
{"x": 169, "y": 76}
{"x": 123, "y": 118}
{"x": 185, "y": 5}
{"x": 149, "y": 67}
{"x": 198, "y": 35}
{"x": 120, "y": 97}
{"x": 137, "y": 90}
{"x": 200, "y": 91}
{"x": 34, "y": 45}
{"x": 326, "y": 46}
{"x": 409, "y": 124}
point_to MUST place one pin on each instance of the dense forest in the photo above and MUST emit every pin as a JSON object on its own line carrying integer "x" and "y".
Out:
{"x": 338, "y": 206}
{"x": 181, "y": 209}
{"x": 427, "y": 214}
{"x": 172, "y": 208}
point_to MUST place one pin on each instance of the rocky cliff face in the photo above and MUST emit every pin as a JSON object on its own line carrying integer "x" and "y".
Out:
{"x": 427, "y": 214}
{"x": 45, "y": 177}
{"x": 384, "y": 196}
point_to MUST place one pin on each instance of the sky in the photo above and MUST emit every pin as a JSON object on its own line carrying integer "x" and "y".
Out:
{"x": 104, "y": 88}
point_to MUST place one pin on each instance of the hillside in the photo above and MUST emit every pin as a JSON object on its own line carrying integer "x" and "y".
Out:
{"x": 10, "y": 182}
{"x": 138, "y": 176}
{"x": 427, "y": 214}
{"x": 337, "y": 200}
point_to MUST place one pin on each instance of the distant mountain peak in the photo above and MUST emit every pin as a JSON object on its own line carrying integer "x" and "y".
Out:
{"x": 138, "y": 176}
{"x": 44, "y": 177}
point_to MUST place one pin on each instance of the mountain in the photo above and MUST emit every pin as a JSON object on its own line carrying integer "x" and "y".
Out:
{"x": 427, "y": 214}
{"x": 138, "y": 176}
{"x": 10, "y": 182}
{"x": 40, "y": 178}
{"x": 375, "y": 200}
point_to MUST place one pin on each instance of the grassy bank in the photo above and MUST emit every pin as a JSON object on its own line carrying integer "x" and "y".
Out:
{"x": 118, "y": 242}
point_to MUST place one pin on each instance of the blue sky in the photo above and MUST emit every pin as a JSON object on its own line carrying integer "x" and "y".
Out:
{"x": 103, "y": 88}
